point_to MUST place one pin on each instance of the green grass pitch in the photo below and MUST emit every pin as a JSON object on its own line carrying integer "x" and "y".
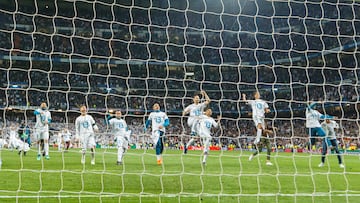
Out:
{"x": 228, "y": 176}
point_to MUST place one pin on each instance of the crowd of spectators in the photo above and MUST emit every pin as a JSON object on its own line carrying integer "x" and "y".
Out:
{"x": 112, "y": 57}
{"x": 252, "y": 33}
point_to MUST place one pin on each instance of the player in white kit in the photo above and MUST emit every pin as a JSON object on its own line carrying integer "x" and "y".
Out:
{"x": 59, "y": 140}
{"x": 158, "y": 121}
{"x": 121, "y": 134}
{"x": 195, "y": 110}
{"x": 313, "y": 124}
{"x": 12, "y": 137}
{"x": 85, "y": 126}
{"x": 17, "y": 140}
{"x": 43, "y": 118}
{"x": 206, "y": 122}
{"x": 66, "y": 135}
{"x": 330, "y": 140}
{"x": 259, "y": 108}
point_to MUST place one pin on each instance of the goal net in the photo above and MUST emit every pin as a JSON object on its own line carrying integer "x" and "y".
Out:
{"x": 125, "y": 55}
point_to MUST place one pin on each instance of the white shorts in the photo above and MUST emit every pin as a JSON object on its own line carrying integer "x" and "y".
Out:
{"x": 155, "y": 135}
{"x": 12, "y": 143}
{"x": 67, "y": 138}
{"x": 193, "y": 123}
{"x": 121, "y": 142}
{"x": 206, "y": 140}
{"x": 20, "y": 145}
{"x": 190, "y": 121}
{"x": 25, "y": 147}
{"x": 42, "y": 134}
{"x": 87, "y": 141}
{"x": 3, "y": 143}
{"x": 204, "y": 135}
{"x": 258, "y": 121}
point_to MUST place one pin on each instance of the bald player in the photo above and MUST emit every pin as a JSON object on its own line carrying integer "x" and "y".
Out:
{"x": 43, "y": 119}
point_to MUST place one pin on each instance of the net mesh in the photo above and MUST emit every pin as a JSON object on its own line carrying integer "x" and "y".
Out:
{"x": 127, "y": 55}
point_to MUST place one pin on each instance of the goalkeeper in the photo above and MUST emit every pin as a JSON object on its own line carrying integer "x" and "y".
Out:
{"x": 264, "y": 141}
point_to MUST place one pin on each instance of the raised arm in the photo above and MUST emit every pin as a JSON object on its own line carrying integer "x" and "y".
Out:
{"x": 322, "y": 116}
{"x": 218, "y": 121}
{"x": 108, "y": 117}
{"x": 186, "y": 111}
{"x": 312, "y": 105}
{"x": 267, "y": 109}
{"x": 244, "y": 97}
{"x": 207, "y": 98}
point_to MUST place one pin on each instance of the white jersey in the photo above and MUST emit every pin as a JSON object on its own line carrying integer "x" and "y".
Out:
{"x": 195, "y": 109}
{"x": 312, "y": 118}
{"x": 20, "y": 145}
{"x": 12, "y": 135}
{"x": 59, "y": 138}
{"x": 157, "y": 119}
{"x": 12, "y": 138}
{"x": 329, "y": 129}
{"x": 206, "y": 123}
{"x": 84, "y": 125}
{"x": 258, "y": 107}
{"x": 41, "y": 117}
{"x": 3, "y": 143}
{"x": 66, "y": 136}
{"x": 118, "y": 126}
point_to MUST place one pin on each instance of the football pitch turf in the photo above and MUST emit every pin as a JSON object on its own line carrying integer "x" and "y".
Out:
{"x": 228, "y": 176}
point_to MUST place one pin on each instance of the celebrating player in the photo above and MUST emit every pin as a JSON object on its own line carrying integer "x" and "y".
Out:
{"x": 312, "y": 123}
{"x": 59, "y": 140}
{"x": 121, "y": 134}
{"x": 18, "y": 142}
{"x": 206, "y": 122}
{"x": 85, "y": 126}
{"x": 12, "y": 137}
{"x": 264, "y": 140}
{"x": 330, "y": 140}
{"x": 195, "y": 109}
{"x": 43, "y": 118}
{"x": 66, "y": 135}
{"x": 259, "y": 108}
{"x": 158, "y": 120}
